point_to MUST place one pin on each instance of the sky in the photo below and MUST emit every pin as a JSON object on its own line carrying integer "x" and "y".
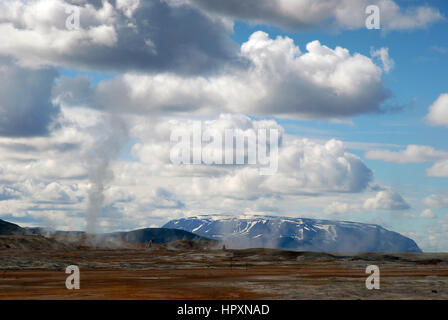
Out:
{"x": 91, "y": 91}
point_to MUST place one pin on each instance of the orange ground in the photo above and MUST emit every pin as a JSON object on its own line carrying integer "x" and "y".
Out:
{"x": 134, "y": 274}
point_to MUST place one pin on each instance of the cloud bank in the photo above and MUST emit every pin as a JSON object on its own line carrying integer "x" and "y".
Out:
{"x": 116, "y": 36}
{"x": 335, "y": 14}
{"x": 26, "y": 108}
{"x": 321, "y": 83}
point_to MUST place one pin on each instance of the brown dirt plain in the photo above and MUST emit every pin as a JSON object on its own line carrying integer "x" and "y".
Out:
{"x": 184, "y": 270}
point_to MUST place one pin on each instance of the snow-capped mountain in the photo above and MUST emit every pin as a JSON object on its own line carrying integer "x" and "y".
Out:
{"x": 295, "y": 234}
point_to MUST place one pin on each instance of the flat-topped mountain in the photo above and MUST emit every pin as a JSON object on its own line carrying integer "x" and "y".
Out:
{"x": 296, "y": 234}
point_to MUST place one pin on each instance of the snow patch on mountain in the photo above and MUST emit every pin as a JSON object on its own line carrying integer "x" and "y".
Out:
{"x": 295, "y": 233}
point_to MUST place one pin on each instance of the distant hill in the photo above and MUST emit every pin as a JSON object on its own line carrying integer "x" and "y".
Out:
{"x": 160, "y": 235}
{"x": 296, "y": 234}
{"x": 8, "y": 228}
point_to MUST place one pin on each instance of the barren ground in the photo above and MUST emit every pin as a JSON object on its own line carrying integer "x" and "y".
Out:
{"x": 165, "y": 272}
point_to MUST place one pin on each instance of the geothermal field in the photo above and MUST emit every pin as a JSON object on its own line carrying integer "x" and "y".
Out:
{"x": 33, "y": 267}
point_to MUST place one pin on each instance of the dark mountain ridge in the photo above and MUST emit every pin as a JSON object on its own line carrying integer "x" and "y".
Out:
{"x": 157, "y": 235}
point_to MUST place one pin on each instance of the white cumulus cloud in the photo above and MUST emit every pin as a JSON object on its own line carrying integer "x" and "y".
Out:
{"x": 387, "y": 200}
{"x": 383, "y": 55}
{"x": 412, "y": 154}
{"x": 280, "y": 80}
{"x": 438, "y": 169}
{"x": 438, "y": 111}
{"x": 436, "y": 201}
{"x": 427, "y": 213}
{"x": 150, "y": 35}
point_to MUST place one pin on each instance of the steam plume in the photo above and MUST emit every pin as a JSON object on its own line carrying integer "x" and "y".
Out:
{"x": 105, "y": 150}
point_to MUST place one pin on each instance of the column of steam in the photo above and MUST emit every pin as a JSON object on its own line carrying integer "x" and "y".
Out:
{"x": 96, "y": 195}
{"x": 105, "y": 150}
